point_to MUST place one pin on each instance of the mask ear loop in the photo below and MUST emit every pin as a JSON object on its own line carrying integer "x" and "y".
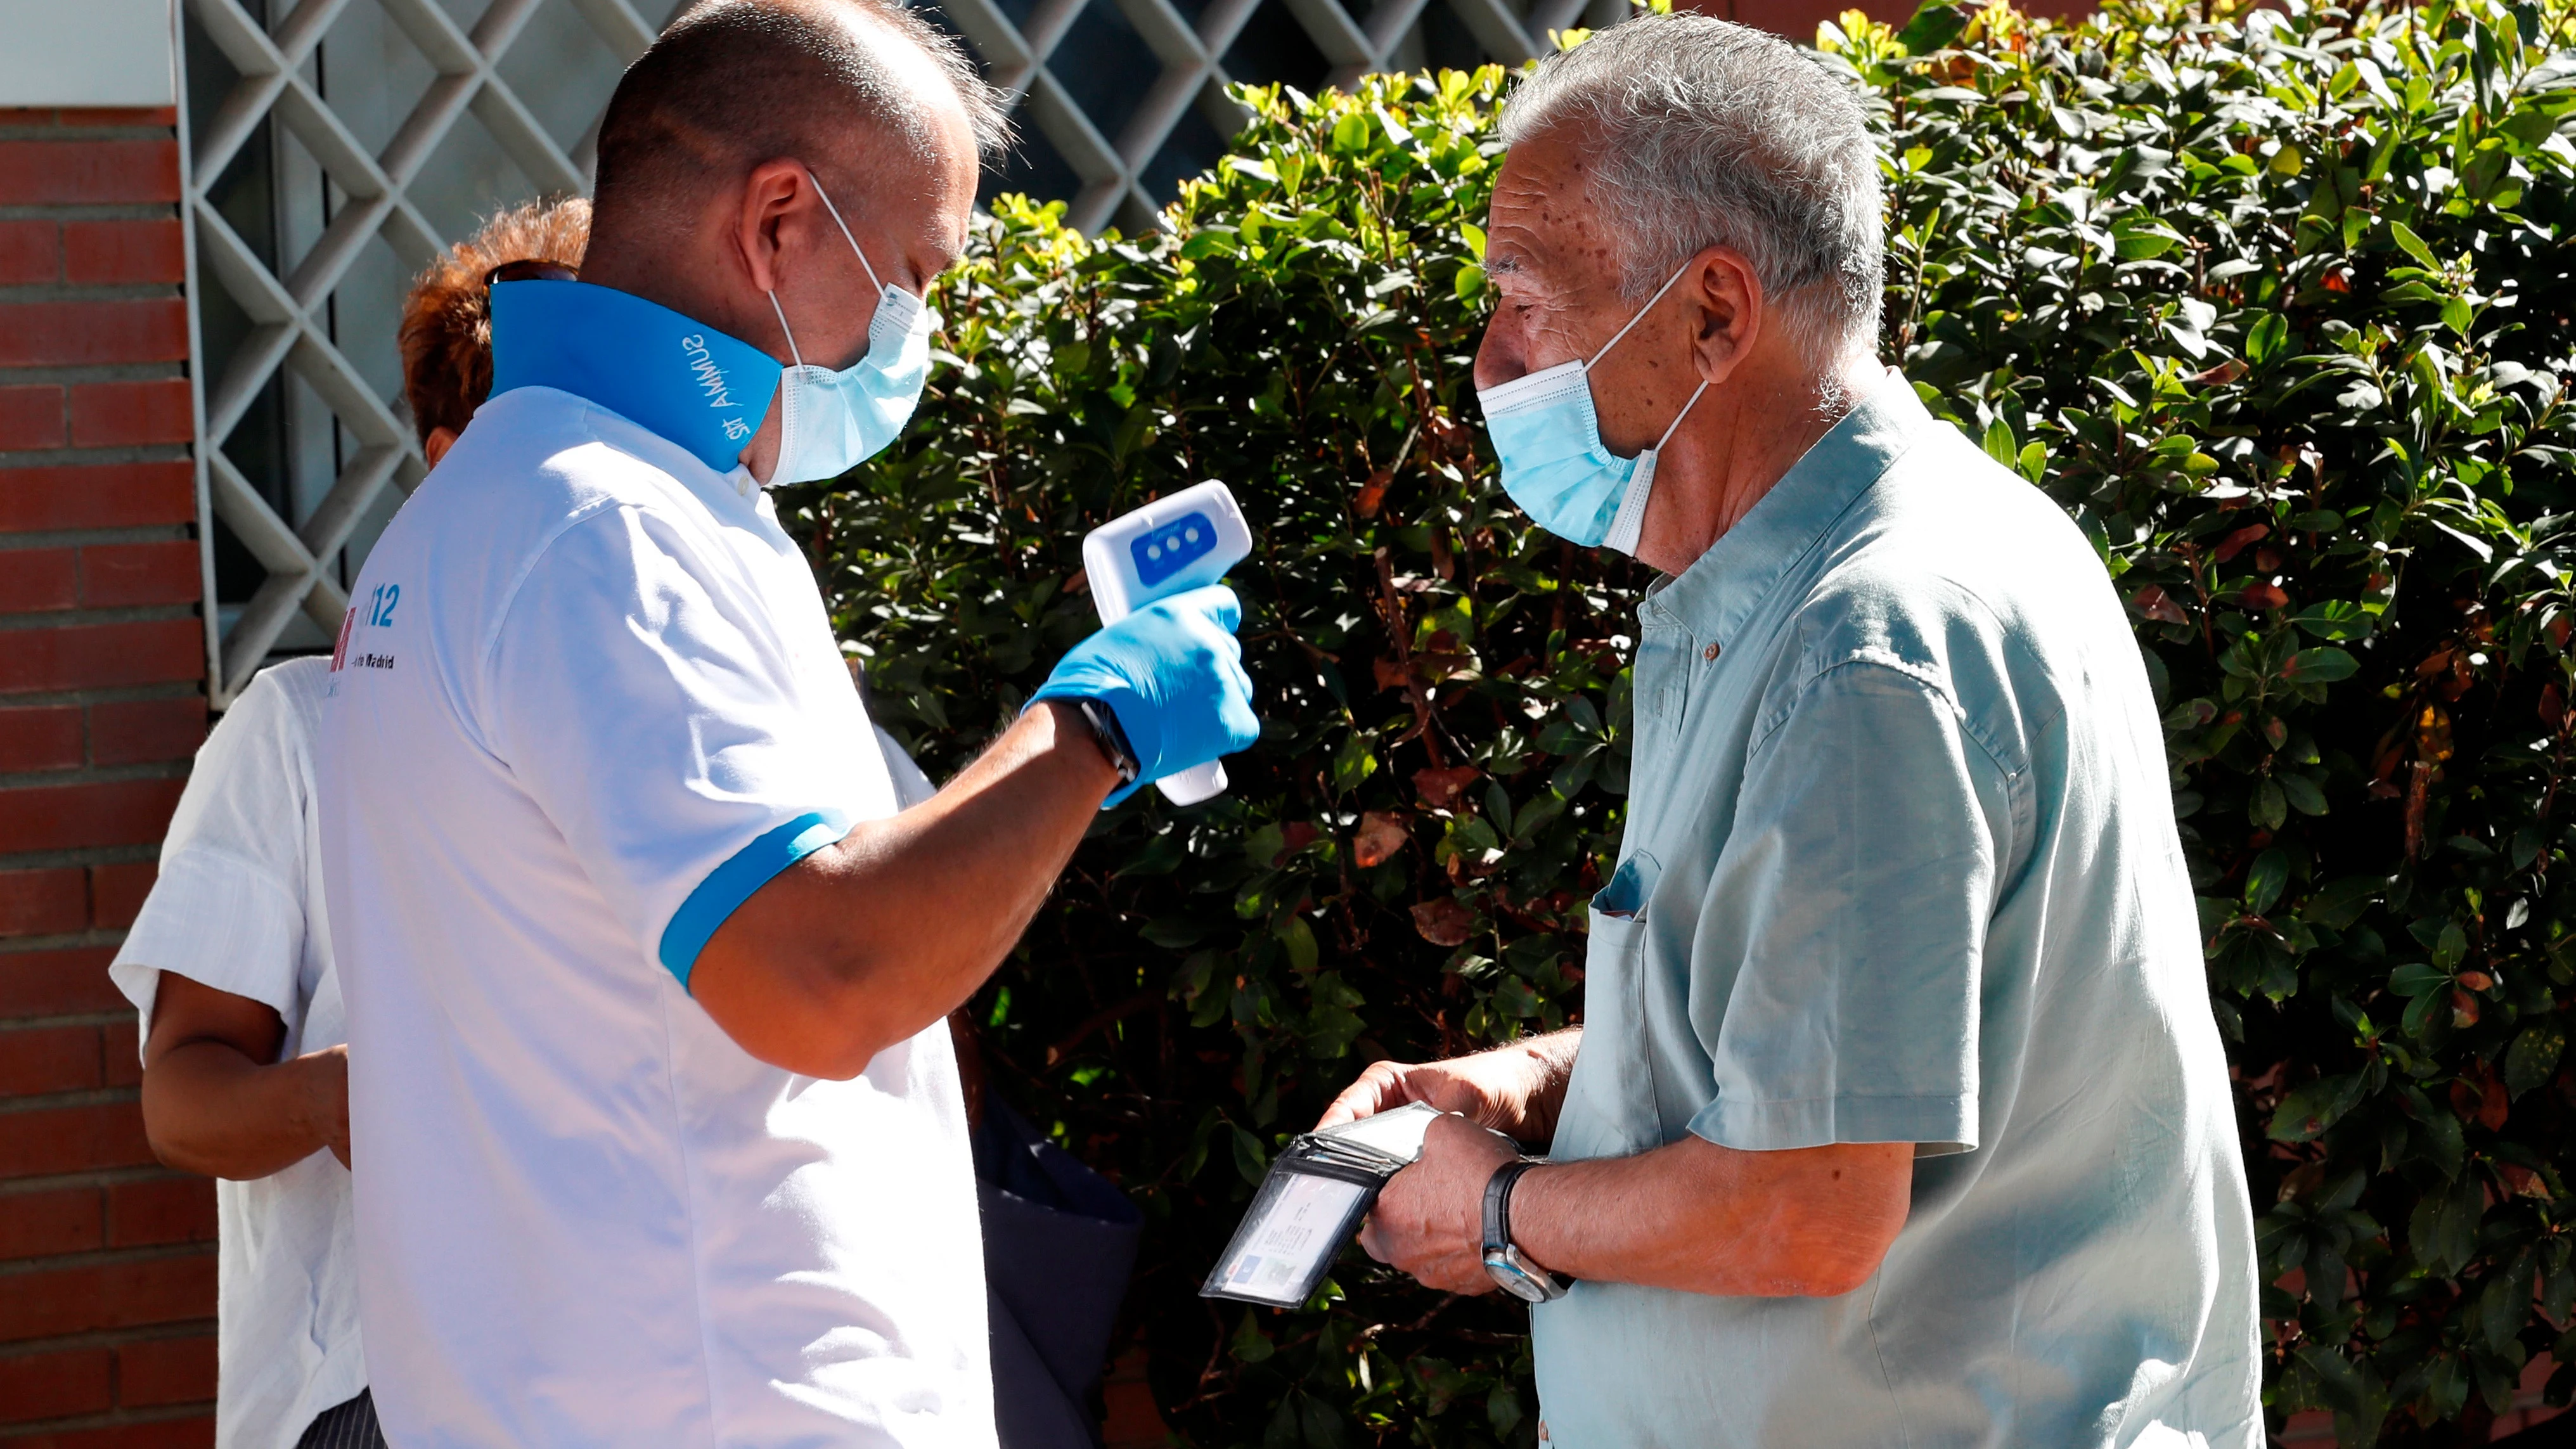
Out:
{"x": 835, "y": 211}
{"x": 845, "y": 230}
{"x": 1631, "y": 518}
{"x": 1633, "y": 321}
{"x": 786, "y": 384}
{"x": 1677, "y": 418}
{"x": 783, "y": 327}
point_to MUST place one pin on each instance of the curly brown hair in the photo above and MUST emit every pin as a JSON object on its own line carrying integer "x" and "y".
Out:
{"x": 447, "y": 317}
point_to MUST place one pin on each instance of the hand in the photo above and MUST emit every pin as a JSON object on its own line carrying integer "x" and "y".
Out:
{"x": 1173, "y": 674}
{"x": 1512, "y": 1089}
{"x": 1430, "y": 1218}
{"x": 325, "y": 1082}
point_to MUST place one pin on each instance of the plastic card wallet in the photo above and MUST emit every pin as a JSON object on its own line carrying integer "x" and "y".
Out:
{"x": 1310, "y": 1203}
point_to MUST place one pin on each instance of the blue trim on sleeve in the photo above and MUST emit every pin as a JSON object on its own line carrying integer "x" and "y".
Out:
{"x": 730, "y": 884}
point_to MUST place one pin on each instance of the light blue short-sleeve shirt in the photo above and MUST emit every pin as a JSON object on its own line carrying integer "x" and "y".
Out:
{"x": 1901, "y": 866}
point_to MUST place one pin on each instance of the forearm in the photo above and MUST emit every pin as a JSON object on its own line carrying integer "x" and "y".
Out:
{"x": 867, "y": 942}
{"x": 1553, "y": 1056}
{"x": 1699, "y": 1218}
{"x": 942, "y": 892}
{"x": 208, "y": 1108}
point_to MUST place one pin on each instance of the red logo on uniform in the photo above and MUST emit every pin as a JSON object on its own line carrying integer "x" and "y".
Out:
{"x": 340, "y": 651}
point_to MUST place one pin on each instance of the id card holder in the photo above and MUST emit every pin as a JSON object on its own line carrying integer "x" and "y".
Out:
{"x": 1308, "y": 1206}
{"x": 1310, "y": 1203}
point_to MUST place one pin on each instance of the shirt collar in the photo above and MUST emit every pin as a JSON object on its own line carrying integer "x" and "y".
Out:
{"x": 1714, "y": 595}
{"x": 667, "y": 373}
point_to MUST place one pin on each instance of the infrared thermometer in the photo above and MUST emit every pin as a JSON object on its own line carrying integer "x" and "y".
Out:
{"x": 1170, "y": 546}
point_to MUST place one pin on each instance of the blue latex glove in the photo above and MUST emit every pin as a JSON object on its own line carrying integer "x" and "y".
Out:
{"x": 1173, "y": 674}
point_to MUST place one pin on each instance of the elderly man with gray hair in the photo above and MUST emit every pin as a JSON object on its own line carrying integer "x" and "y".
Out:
{"x": 1898, "y": 1114}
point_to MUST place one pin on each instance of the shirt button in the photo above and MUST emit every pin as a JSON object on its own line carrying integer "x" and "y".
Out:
{"x": 1709, "y": 653}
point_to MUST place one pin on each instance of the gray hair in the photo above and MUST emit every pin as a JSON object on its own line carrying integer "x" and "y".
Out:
{"x": 1708, "y": 133}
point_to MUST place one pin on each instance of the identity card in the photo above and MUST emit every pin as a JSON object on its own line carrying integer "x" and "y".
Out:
{"x": 1310, "y": 1203}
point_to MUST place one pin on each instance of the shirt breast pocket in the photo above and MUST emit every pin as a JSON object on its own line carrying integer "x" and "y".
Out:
{"x": 1610, "y": 1104}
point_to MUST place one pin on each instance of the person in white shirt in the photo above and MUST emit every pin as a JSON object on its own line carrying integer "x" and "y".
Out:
{"x": 660, "y": 1131}
{"x": 245, "y": 1074}
{"x": 229, "y": 963}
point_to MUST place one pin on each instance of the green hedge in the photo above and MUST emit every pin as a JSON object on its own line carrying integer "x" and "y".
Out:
{"x": 2276, "y": 306}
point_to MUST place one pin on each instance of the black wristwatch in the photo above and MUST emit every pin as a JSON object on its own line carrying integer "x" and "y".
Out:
{"x": 1512, "y": 1272}
{"x": 1113, "y": 740}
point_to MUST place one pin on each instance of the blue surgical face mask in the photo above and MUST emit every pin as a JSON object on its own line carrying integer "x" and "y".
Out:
{"x": 1554, "y": 464}
{"x": 830, "y": 422}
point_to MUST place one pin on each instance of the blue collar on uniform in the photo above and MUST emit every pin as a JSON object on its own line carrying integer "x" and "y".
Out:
{"x": 1714, "y": 595}
{"x": 677, "y": 377}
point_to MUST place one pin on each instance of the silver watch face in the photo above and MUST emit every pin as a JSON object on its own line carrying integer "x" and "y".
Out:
{"x": 1512, "y": 1278}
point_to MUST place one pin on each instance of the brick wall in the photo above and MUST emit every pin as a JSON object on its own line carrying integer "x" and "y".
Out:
{"x": 107, "y": 1270}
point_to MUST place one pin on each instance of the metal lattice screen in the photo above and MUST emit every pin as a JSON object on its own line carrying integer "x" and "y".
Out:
{"x": 336, "y": 146}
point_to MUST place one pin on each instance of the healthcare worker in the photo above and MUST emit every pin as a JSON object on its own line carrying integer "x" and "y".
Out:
{"x": 1897, "y": 1114}
{"x": 657, "y": 1126}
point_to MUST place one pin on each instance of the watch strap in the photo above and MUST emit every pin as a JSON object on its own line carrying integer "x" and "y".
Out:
{"x": 1498, "y": 1203}
{"x": 1498, "y": 1229}
{"x": 1113, "y": 739}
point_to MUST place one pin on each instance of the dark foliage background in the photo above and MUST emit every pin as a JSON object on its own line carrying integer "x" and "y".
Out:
{"x": 2276, "y": 305}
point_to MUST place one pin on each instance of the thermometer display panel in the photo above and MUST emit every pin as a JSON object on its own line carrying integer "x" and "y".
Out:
{"x": 1171, "y": 548}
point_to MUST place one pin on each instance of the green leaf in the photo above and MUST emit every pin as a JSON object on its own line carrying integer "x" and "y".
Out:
{"x": 2322, "y": 665}
{"x": 2413, "y": 245}
{"x": 2416, "y": 979}
{"x": 2352, "y": 1389}
{"x": 2424, "y": 1015}
{"x": 1353, "y": 763}
{"x": 2307, "y": 1111}
{"x": 2138, "y": 243}
{"x": 2303, "y": 794}
{"x": 1320, "y": 1423}
{"x": 1174, "y": 933}
{"x": 1249, "y": 1344}
{"x": 2533, "y": 1058}
{"x": 1933, "y": 26}
{"x": 2265, "y": 339}
{"x": 1503, "y": 1409}
{"x": 2264, "y": 880}
{"x": 2000, "y": 444}
{"x": 2338, "y": 904}
{"x": 1251, "y": 1160}
{"x": 1298, "y": 940}
{"x": 2270, "y": 806}
{"x": 2339, "y": 620}
{"x": 2444, "y": 1228}
{"x": 2451, "y": 947}
{"x": 2504, "y": 1304}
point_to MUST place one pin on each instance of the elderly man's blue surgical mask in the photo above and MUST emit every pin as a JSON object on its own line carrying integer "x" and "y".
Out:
{"x": 1554, "y": 464}
{"x": 831, "y": 422}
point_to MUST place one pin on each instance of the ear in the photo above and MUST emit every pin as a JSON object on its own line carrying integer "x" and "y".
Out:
{"x": 435, "y": 446}
{"x": 772, "y": 194}
{"x": 1728, "y": 311}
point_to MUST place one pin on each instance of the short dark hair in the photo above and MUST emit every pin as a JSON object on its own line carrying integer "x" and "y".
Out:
{"x": 735, "y": 82}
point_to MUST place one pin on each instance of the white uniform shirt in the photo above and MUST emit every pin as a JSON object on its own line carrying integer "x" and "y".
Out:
{"x": 589, "y": 700}
{"x": 238, "y": 907}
